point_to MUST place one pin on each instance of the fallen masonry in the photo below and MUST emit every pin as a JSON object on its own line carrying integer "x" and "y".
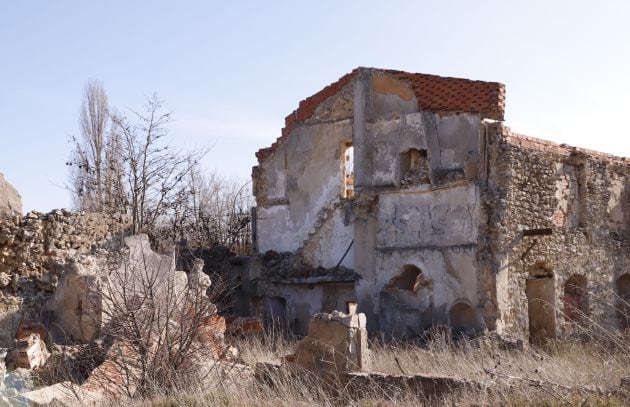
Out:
{"x": 336, "y": 344}
{"x": 36, "y": 251}
{"x": 76, "y": 277}
{"x": 29, "y": 353}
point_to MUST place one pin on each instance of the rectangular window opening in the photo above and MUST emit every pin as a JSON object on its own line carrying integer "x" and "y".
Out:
{"x": 348, "y": 171}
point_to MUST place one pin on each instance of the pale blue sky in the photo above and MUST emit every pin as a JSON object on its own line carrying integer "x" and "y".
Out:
{"x": 231, "y": 71}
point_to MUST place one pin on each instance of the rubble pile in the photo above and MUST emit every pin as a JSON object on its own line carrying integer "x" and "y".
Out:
{"x": 91, "y": 282}
{"x": 290, "y": 265}
{"x": 35, "y": 251}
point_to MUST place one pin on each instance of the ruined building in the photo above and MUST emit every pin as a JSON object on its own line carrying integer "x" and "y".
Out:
{"x": 405, "y": 197}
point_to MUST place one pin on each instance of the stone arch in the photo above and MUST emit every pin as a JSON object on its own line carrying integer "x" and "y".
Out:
{"x": 410, "y": 278}
{"x": 462, "y": 318}
{"x": 623, "y": 308}
{"x": 575, "y": 298}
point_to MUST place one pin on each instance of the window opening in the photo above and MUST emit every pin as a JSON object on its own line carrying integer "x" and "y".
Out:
{"x": 348, "y": 171}
{"x": 414, "y": 169}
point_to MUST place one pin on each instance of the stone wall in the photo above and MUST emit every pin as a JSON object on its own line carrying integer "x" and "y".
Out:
{"x": 30, "y": 245}
{"x": 581, "y": 197}
{"x": 34, "y": 250}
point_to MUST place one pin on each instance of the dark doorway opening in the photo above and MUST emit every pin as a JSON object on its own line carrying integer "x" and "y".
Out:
{"x": 463, "y": 318}
{"x": 541, "y": 309}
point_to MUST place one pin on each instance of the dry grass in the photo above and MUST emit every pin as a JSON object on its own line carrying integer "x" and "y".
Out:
{"x": 582, "y": 369}
{"x": 591, "y": 369}
{"x": 569, "y": 362}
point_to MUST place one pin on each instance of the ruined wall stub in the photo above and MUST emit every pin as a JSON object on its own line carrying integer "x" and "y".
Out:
{"x": 34, "y": 252}
{"x": 10, "y": 199}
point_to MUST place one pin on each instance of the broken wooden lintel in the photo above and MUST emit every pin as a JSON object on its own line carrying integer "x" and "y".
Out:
{"x": 537, "y": 232}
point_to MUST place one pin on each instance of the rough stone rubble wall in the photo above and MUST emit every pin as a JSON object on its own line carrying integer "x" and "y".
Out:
{"x": 582, "y": 197}
{"x": 33, "y": 252}
{"x": 29, "y": 245}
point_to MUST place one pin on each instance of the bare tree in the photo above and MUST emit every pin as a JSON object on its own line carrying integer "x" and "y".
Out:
{"x": 90, "y": 176}
{"x": 154, "y": 172}
{"x": 214, "y": 212}
{"x": 122, "y": 164}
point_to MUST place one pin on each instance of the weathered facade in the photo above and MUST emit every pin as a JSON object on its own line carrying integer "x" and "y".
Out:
{"x": 404, "y": 196}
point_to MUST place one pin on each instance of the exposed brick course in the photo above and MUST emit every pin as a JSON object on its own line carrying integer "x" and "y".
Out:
{"x": 305, "y": 110}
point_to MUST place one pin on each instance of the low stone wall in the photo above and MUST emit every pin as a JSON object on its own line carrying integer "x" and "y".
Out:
{"x": 432, "y": 387}
{"x": 30, "y": 245}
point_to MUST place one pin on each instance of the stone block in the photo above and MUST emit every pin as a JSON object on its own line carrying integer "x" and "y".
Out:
{"x": 336, "y": 344}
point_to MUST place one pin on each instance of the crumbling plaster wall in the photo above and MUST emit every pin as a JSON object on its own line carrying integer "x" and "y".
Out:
{"x": 331, "y": 241}
{"x": 436, "y": 226}
{"x": 305, "y": 300}
{"x": 298, "y": 186}
{"x": 537, "y": 184}
{"x": 437, "y": 232}
{"x": 302, "y": 302}
{"x": 432, "y": 226}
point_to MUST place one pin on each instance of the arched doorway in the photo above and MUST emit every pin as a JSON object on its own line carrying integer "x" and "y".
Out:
{"x": 623, "y": 300}
{"x": 575, "y": 299}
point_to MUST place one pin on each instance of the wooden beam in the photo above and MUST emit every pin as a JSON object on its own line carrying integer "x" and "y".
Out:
{"x": 537, "y": 232}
